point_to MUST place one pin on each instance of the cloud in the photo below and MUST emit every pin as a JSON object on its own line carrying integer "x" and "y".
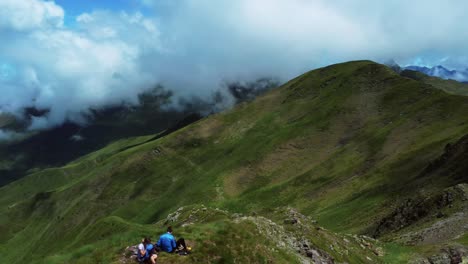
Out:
{"x": 192, "y": 47}
{"x": 8, "y": 135}
{"x": 69, "y": 70}
{"x": 29, "y": 14}
{"x": 236, "y": 39}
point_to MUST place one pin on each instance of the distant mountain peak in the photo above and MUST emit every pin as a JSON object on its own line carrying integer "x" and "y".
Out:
{"x": 441, "y": 72}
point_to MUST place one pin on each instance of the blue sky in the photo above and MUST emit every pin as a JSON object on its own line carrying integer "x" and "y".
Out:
{"x": 81, "y": 6}
{"x": 70, "y": 55}
{"x": 74, "y": 8}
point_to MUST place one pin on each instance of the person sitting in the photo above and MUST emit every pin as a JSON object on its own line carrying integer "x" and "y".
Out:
{"x": 168, "y": 243}
{"x": 151, "y": 251}
{"x": 142, "y": 253}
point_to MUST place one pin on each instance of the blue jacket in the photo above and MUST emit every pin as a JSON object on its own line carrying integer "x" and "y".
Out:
{"x": 167, "y": 242}
{"x": 149, "y": 247}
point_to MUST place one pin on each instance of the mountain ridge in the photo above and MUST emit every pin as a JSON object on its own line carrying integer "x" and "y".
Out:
{"x": 441, "y": 72}
{"x": 336, "y": 144}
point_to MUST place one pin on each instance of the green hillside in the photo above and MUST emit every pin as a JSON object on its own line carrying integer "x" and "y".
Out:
{"x": 340, "y": 149}
{"x": 57, "y": 146}
{"x": 450, "y": 86}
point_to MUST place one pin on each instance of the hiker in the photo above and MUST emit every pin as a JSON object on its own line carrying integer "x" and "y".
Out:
{"x": 146, "y": 252}
{"x": 168, "y": 243}
{"x": 151, "y": 251}
{"x": 142, "y": 253}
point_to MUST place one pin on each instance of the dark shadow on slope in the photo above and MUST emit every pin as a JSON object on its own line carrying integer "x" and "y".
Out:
{"x": 452, "y": 164}
{"x": 69, "y": 141}
{"x": 192, "y": 118}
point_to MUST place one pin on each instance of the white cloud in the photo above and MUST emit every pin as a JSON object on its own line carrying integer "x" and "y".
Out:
{"x": 191, "y": 46}
{"x": 4, "y": 135}
{"x": 30, "y": 14}
{"x": 70, "y": 70}
{"x": 9, "y": 135}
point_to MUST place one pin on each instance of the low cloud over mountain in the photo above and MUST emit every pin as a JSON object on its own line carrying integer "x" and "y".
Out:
{"x": 442, "y": 72}
{"x": 69, "y": 64}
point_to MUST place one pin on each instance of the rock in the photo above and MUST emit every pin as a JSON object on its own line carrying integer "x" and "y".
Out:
{"x": 173, "y": 217}
{"x": 156, "y": 151}
{"x": 419, "y": 261}
{"x": 378, "y": 251}
{"x": 420, "y": 207}
{"x": 318, "y": 256}
{"x": 458, "y": 255}
{"x": 310, "y": 253}
{"x": 129, "y": 255}
{"x": 236, "y": 215}
{"x": 450, "y": 256}
{"x": 443, "y": 258}
{"x": 291, "y": 221}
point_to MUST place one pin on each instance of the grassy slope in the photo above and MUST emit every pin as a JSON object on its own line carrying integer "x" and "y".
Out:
{"x": 450, "y": 86}
{"x": 337, "y": 143}
{"x": 28, "y": 149}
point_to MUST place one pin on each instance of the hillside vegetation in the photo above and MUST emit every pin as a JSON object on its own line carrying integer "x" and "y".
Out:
{"x": 340, "y": 150}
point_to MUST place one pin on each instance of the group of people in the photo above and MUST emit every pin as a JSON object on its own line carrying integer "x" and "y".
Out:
{"x": 148, "y": 252}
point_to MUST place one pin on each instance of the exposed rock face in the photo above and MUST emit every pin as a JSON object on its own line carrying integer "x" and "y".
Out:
{"x": 408, "y": 213}
{"x": 173, "y": 217}
{"x": 306, "y": 251}
{"x": 428, "y": 209}
{"x": 452, "y": 255}
{"x": 285, "y": 230}
{"x": 129, "y": 255}
{"x": 452, "y": 163}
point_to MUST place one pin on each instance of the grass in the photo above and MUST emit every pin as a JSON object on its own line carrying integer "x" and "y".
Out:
{"x": 337, "y": 143}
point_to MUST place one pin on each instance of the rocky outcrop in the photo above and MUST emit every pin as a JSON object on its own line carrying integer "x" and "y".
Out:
{"x": 129, "y": 255}
{"x": 303, "y": 248}
{"x": 406, "y": 214}
{"x": 424, "y": 208}
{"x": 452, "y": 164}
{"x": 451, "y": 255}
{"x": 281, "y": 230}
